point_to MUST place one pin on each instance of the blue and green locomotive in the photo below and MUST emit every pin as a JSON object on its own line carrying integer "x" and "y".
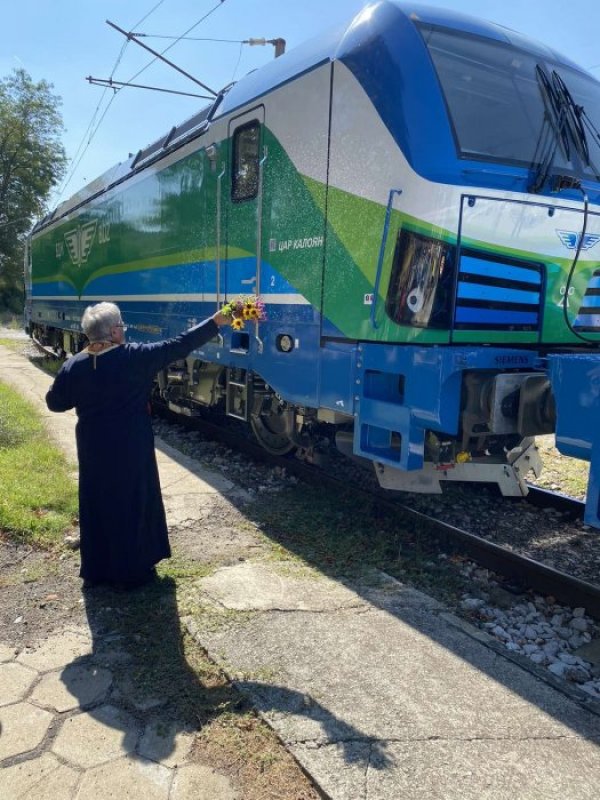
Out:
{"x": 415, "y": 196}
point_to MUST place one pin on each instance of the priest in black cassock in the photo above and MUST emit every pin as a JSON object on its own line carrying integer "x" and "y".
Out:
{"x": 123, "y": 528}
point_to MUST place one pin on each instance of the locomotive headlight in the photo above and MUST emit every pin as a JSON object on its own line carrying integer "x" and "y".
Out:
{"x": 285, "y": 343}
{"x": 421, "y": 283}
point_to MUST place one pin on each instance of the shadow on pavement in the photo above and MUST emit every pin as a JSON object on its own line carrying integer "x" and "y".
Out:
{"x": 137, "y": 636}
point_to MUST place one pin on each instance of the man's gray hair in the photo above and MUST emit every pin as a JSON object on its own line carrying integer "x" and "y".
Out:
{"x": 99, "y": 319}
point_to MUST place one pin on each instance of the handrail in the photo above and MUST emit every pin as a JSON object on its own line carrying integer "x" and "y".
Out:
{"x": 218, "y": 253}
{"x": 386, "y": 227}
{"x": 259, "y": 217}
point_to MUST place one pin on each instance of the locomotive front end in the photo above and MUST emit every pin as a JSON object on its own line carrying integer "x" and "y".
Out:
{"x": 484, "y": 323}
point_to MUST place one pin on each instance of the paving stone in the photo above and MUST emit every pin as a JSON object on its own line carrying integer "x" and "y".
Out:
{"x": 128, "y": 689}
{"x": 96, "y": 736}
{"x": 23, "y": 727}
{"x": 57, "y": 651}
{"x": 197, "y": 782}
{"x": 126, "y": 779}
{"x": 163, "y": 743}
{"x": 72, "y": 687}
{"x": 7, "y": 653}
{"x": 43, "y": 778}
{"x": 15, "y": 681}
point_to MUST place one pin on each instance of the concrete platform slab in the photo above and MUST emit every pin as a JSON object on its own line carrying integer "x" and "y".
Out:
{"x": 253, "y": 586}
{"x": 101, "y": 735}
{"x": 128, "y": 778}
{"x": 193, "y": 479}
{"x": 487, "y": 770}
{"x": 197, "y": 782}
{"x": 470, "y": 770}
{"x": 75, "y": 686}
{"x": 359, "y": 692}
{"x": 22, "y": 728}
{"x": 166, "y": 742}
{"x": 57, "y": 651}
{"x": 7, "y": 653}
{"x": 43, "y": 778}
{"x": 15, "y": 682}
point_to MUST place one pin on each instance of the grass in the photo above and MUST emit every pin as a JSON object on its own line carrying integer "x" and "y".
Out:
{"x": 38, "y": 502}
{"x": 568, "y": 475}
{"x": 12, "y": 321}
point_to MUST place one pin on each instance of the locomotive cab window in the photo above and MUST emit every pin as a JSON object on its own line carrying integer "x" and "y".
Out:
{"x": 244, "y": 179}
{"x": 497, "y": 104}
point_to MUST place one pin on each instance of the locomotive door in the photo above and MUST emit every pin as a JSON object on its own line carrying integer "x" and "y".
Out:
{"x": 245, "y": 210}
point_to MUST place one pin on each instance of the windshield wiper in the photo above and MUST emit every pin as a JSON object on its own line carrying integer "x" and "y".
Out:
{"x": 550, "y": 134}
{"x": 568, "y": 122}
{"x": 572, "y": 117}
{"x": 577, "y": 120}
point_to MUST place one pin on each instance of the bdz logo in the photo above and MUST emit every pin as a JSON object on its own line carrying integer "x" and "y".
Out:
{"x": 79, "y": 242}
{"x": 570, "y": 239}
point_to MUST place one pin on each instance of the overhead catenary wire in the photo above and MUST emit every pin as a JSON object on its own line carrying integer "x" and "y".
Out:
{"x": 94, "y": 126}
{"x": 79, "y": 153}
{"x": 77, "y": 158}
{"x": 179, "y": 38}
{"x": 278, "y": 43}
{"x": 233, "y": 74}
{"x": 188, "y": 38}
{"x": 152, "y": 10}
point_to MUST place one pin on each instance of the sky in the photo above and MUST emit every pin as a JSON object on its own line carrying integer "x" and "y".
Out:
{"x": 64, "y": 41}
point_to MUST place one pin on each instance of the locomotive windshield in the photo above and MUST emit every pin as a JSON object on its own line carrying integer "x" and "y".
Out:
{"x": 497, "y": 106}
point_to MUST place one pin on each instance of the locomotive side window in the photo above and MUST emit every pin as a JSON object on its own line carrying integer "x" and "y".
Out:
{"x": 244, "y": 178}
{"x": 420, "y": 289}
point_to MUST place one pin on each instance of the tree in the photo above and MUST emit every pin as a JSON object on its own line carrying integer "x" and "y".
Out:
{"x": 32, "y": 162}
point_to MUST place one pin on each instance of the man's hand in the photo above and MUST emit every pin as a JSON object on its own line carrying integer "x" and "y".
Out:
{"x": 221, "y": 319}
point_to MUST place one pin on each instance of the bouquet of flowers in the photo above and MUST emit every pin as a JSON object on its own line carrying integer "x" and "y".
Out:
{"x": 249, "y": 308}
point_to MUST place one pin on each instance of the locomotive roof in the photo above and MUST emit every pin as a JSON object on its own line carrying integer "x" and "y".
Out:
{"x": 329, "y": 46}
{"x": 335, "y": 44}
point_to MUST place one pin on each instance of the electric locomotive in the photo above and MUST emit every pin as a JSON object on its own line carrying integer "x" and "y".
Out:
{"x": 415, "y": 196}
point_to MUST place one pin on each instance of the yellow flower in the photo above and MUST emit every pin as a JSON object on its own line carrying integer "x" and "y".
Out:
{"x": 247, "y": 312}
{"x": 237, "y": 324}
{"x": 253, "y": 313}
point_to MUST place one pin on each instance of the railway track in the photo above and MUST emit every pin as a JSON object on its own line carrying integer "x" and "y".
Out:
{"x": 519, "y": 573}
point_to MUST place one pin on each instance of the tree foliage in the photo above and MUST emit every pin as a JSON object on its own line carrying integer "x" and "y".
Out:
{"x": 32, "y": 162}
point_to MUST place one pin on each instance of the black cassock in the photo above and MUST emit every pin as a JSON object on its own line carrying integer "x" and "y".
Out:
{"x": 122, "y": 520}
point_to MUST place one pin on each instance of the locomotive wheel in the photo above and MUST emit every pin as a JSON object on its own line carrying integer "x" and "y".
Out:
{"x": 271, "y": 430}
